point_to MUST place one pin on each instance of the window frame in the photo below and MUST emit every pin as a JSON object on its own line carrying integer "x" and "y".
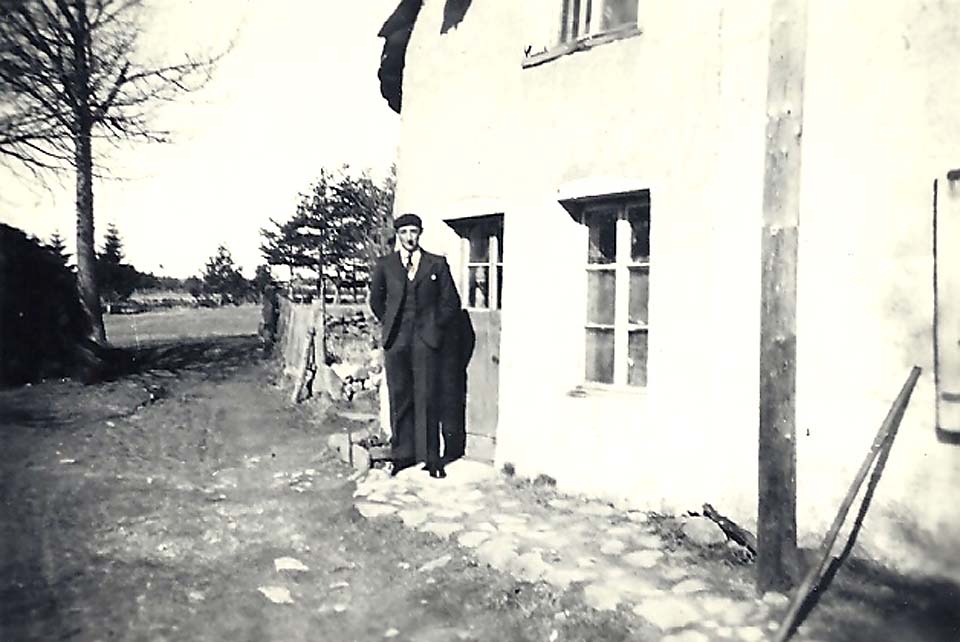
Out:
{"x": 491, "y": 228}
{"x": 622, "y": 265}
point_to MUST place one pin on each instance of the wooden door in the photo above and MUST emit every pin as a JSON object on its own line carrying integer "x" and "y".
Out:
{"x": 481, "y": 283}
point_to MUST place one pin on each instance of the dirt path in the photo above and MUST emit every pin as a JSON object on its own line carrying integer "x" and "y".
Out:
{"x": 163, "y": 523}
{"x": 155, "y": 508}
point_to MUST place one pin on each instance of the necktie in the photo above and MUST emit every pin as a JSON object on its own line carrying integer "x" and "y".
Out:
{"x": 410, "y": 265}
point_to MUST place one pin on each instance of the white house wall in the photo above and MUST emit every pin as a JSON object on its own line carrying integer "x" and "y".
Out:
{"x": 880, "y": 124}
{"x": 680, "y": 110}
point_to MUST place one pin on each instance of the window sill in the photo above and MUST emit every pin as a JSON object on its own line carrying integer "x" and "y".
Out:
{"x": 594, "y": 390}
{"x": 582, "y": 44}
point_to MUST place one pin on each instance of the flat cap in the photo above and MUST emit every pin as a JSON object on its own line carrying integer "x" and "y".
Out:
{"x": 407, "y": 219}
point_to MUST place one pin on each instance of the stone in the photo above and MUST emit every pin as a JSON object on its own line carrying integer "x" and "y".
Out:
{"x": 634, "y": 587}
{"x": 347, "y": 369}
{"x": 440, "y": 562}
{"x": 619, "y": 531}
{"x": 735, "y": 613}
{"x": 564, "y": 577}
{"x": 725, "y": 631}
{"x": 328, "y": 381}
{"x": 370, "y": 510}
{"x": 338, "y": 442}
{"x": 361, "y": 459}
{"x": 777, "y": 600}
{"x": 594, "y": 509}
{"x": 289, "y": 564}
{"x": 586, "y": 562}
{"x": 686, "y": 636}
{"x": 601, "y": 597}
{"x": 487, "y": 526}
{"x": 501, "y": 519}
{"x": 703, "y": 531}
{"x": 612, "y": 547}
{"x": 467, "y": 472}
{"x": 750, "y": 633}
{"x": 667, "y": 613}
{"x": 391, "y": 633}
{"x": 643, "y": 559}
{"x": 277, "y": 594}
{"x": 473, "y": 539}
{"x": 442, "y": 530}
{"x": 647, "y": 540}
{"x": 498, "y": 553}
{"x": 638, "y": 517}
{"x": 562, "y": 504}
{"x": 691, "y": 585}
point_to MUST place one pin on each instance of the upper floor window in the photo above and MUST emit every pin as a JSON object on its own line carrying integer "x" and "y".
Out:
{"x": 618, "y": 288}
{"x": 583, "y": 18}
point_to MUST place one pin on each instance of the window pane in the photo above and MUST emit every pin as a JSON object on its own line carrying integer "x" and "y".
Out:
{"x": 603, "y": 237}
{"x": 599, "y": 355}
{"x": 637, "y": 358}
{"x": 617, "y": 13}
{"x": 639, "y": 218}
{"x": 639, "y": 294}
{"x": 499, "y": 287}
{"x": 479, "y": 245}
{"x": 477, "y": 297}
{"x": 601, "y": 294}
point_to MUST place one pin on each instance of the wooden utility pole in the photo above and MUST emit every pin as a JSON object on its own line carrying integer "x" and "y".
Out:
{"x": 777, "y": 560}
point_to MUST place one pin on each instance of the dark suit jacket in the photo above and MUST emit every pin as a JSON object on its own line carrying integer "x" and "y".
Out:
{"x": 437, "y": 300}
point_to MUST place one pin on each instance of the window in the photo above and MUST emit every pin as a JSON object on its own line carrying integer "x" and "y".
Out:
{"x": 583, "y": 18}
{"x": 618, "y": 289}
{"x": 483, "y": 268}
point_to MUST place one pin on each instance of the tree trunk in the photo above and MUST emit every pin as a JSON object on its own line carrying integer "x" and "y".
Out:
{"x": 86, "y": 253}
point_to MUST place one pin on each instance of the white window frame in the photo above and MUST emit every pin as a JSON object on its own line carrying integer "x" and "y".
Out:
{"x": 581, "y": 19}
{"x": 492, "y": 228}
{"x": 623, "y": 263}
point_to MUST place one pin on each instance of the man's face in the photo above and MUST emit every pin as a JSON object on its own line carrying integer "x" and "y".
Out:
{"x": 409, "y": 236}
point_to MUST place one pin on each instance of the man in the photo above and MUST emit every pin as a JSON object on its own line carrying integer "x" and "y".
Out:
{"x": 413, "y": 296}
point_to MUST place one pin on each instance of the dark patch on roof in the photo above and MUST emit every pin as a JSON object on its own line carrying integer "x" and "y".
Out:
{"x": 453, "y": 14}
{"x": 396, "y": 31}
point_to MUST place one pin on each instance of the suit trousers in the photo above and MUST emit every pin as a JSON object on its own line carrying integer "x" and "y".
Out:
{"x": 412, "y": 373}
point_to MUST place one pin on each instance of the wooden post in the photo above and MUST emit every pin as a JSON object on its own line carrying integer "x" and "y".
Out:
{"x": 777, "y": 563}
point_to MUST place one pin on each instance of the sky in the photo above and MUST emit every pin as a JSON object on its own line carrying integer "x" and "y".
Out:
{"x": 297, "y": 92}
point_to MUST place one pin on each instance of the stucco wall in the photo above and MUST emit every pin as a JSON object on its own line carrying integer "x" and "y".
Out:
{"x": 680, "y": 110}
{"x": 880, "y": 125}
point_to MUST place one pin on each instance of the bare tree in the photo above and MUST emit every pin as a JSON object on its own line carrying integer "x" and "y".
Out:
{"x": 71, "y": 76}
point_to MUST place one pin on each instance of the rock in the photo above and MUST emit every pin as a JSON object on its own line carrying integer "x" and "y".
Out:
{"x": 440, "y": 562}
{"x": 338, "y": 442}
{"x": 413, "y": 517}
{"x": 441, "y": 529}
{"x": 564, "y": 577}
{"x": 667, "y": 612}
{"x": 361, "y": 459}
{"x": 750, "y": 633}
{"x": 777, "y": 600}
{"x": 703, "y": 531}
{"x": 346, "y": 370}
{"x": 467, "y": 472}
{"x": 359, "y": 435}
{"x": 643, "y": 559}
{"x": 391, "y": 633}
{"x": 612, "y": 547}
{"x": 638, "y": 517}
{"x": 601, "y": 597}
{"x": 289, "y": 564}
{"x": 277, "y": 594}
{"x": 595, "y": 509}
{"x": 497, "y": 552}
{"x": 686, "y": 636}
{"x": 530, "y": 567}
{"x": 329, "y": 382}
{"x": 561, "y": 503}
{"x": 473, "y": 539}
{"x": 691, "y": 585}
{"x": 370, "y": 510}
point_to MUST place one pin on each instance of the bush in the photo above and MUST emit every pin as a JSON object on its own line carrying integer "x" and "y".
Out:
{"x": 41, "y": 321}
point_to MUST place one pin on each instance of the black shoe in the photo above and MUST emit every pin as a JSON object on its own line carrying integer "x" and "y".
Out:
{"x": 402, "y": 464}
{"x": 437, "y": 471}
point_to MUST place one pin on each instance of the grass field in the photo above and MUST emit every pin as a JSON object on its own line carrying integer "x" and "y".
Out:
{"x": 135, "y": 330}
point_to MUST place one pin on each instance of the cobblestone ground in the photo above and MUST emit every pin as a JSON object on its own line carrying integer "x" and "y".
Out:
{"x": 627, "y": 561}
